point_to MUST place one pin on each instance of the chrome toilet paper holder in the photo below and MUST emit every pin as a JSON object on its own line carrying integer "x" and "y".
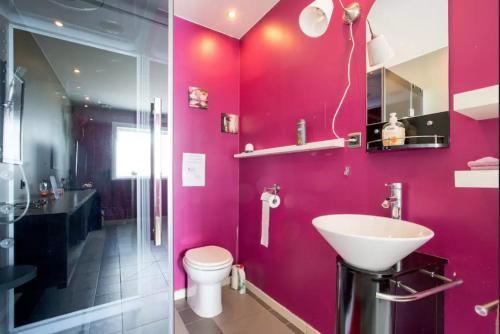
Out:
{"x": 275, "y": 189}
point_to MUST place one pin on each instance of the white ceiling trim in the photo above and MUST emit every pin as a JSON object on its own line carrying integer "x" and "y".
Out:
{"x": 213, "y": 16}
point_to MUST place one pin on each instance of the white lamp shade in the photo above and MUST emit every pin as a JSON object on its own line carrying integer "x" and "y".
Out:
{"x": 379, "y": 51}
{"x": 315, "y": 18}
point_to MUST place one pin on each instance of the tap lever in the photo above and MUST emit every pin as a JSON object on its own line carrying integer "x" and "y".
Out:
{"x": 394, "y": 202}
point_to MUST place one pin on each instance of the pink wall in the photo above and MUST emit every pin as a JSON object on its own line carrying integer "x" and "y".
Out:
{"x": 286, "y": 76}
{"x": 207, "y": 215}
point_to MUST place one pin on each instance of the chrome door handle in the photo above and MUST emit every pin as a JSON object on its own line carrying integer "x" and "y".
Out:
{"x": 484, "y": 309}
{"x": 157, "y": 177}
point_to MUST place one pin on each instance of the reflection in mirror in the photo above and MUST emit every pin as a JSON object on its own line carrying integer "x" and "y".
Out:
{"x": 407, "y": 73}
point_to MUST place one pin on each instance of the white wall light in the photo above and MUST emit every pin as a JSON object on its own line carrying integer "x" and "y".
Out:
{"x": 315, "y": 18}
{"x": 378, "y": 49}
{"x": 314, "y": 21}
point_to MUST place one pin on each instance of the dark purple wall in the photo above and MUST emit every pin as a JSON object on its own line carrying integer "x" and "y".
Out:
{"x": 207, "y": 215}
{"x": 286, "y": 76}
{"x": 95, "y": 159}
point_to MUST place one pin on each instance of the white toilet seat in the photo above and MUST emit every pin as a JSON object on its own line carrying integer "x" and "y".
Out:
{"x": 208, "y": 258}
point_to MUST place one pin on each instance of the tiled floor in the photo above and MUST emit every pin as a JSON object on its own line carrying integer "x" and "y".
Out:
{"x": 242, "y": 314}
{"x": 148, "y": 316}
{"x": 108, "y": 270}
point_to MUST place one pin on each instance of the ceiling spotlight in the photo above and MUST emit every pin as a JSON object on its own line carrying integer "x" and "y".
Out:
{"x": 87, "y": 98}
{"x": 64, "y": 97}
{"x": 86, "y": 105}
{"x": 91, "y": 119}
{"x": 78, "y": 87}
{"x": 59, "y": 23}
{"x": 231, "y": 14}
{"x": 76, "y": 70}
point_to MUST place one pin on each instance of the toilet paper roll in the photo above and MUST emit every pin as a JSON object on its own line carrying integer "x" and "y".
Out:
{"x": 269, "y": 202}
{"x": 274, "y": 201}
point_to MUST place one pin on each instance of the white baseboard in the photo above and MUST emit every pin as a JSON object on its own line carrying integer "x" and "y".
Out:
{"x": 281, "y": 310}
{"x": 179, "y": 294}
{"x": 182, "y": 293}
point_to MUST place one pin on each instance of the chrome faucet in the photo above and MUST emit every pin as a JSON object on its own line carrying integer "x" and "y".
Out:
{"x": 394, "y": 202}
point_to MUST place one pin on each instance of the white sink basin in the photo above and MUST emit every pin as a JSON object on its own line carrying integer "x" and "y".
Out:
{"x": 370, "y": 242}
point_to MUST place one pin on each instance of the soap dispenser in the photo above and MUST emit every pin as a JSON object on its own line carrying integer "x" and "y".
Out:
{"x": 393, "y": 133}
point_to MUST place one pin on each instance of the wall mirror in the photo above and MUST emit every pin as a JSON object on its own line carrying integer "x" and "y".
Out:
{"x": 407, "y": 75}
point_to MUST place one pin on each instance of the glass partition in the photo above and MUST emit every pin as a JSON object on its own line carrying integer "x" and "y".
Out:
{"x": 84, "y": 166}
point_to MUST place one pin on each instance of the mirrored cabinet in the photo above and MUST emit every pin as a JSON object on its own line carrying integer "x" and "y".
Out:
{"x": 408, "y": 94}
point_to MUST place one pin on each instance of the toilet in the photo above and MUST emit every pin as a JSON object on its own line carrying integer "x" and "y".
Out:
{"x": 206, "y": 268}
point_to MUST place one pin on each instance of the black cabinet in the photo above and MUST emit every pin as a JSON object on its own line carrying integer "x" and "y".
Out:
{"x": 52, "y": 237}
{"x": 360, "y": 312}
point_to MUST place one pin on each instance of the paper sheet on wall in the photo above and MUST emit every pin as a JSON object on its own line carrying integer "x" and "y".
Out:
{"x": 193, "y": 170}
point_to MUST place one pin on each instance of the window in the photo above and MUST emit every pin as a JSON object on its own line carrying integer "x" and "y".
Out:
{"x": 132, "y": 152}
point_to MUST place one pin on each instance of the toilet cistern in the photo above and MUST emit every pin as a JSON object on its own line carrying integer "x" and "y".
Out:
{"x": 394, "y": 202}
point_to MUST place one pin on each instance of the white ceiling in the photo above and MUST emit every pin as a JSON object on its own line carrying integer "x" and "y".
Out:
{"x": 131, "y": 26}
{"x": 412, "y": 27}
{"x": 106, "y": 77}
{"x": 213, "y": 14}
{"x": 103, "y": 41}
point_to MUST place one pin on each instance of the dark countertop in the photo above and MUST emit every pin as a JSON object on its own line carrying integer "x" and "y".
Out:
{"x": 68, "y": 203}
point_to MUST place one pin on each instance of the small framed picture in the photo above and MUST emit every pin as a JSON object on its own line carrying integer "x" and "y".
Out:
{"x": 229, "y": 123}
{"x": 198, "y": 98}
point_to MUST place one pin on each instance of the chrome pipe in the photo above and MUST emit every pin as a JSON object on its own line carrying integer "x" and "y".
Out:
{"x": 434, "y": 275}
{"x": 405, "y": 287}
{"x": 484, "y": 309}
{"x": 419, "y": 295}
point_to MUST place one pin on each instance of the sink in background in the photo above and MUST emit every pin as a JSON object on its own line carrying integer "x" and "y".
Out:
{"x": 370, "y": 242}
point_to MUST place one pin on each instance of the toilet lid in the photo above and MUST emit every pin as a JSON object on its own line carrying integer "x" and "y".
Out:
{"x": 209, "y": 256}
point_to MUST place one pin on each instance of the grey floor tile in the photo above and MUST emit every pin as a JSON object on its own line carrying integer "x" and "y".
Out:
{"x": 108, "y": 298}
{"x": 236, "y": 306}
{"x": 84, "y": 281}
{"x": 108, "y": 280}
{"x": 188, "y": 316}
{"x": 181, "y": 304}
{"x": 110, "y": 252}
{"x": 179, "y": 326}
{"x": 204, "y": 326}
{"x": 263, "y": 322}
{"x": 109, "y": 271}
{"x": 157, "y": 327}
{"x": 78, "y": 300}
{"x": 108, "y": 289}
{"x": 144, "y": 287}
{"x": 110, "y": 262}
{"x": 152, "y": 308}
{"x": 87, "y": 267}
{"x": 144, "y": 271}
{"x": 107, "y": 326}
{"x": 83, "y": 329}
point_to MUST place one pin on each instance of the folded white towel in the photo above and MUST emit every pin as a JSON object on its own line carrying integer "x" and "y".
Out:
{"x": 484, "y": 162}
{"x": 484, "y": 167}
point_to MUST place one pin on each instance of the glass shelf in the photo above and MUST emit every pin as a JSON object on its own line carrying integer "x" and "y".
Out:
{"x": 434, "y": 141}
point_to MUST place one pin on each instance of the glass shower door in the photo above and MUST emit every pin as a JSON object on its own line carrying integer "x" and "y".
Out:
{"x": 91, "y": 94}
